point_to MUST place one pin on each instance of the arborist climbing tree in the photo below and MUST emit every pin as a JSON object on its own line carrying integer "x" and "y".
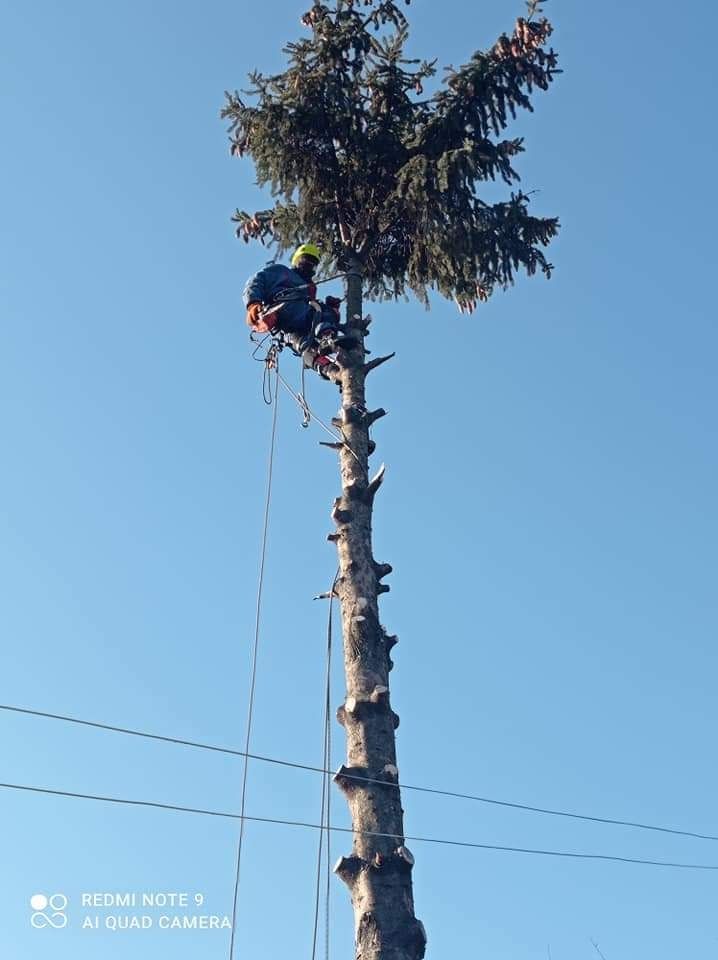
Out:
{"x": 383, "y": 178}
{"x": 282, "y": 301}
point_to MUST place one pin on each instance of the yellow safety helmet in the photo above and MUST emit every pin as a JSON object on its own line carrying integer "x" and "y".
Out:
{"x": 306, "y": 250}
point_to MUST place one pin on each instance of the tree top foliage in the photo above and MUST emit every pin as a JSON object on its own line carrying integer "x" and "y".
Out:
{"x": 361, "y": 162}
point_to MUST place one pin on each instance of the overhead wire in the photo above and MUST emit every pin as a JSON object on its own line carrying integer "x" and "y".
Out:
{"x": 366, "y": 833}
{"x": 510, "y": 804}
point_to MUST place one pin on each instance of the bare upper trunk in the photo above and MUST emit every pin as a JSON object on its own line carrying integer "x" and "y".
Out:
{"x": 378, "y": 871}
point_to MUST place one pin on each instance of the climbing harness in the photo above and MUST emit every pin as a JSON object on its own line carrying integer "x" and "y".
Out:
{"x": 290, "y": 294}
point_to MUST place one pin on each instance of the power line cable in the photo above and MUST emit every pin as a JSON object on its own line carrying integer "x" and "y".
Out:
{"x": 510, "y": 804}
{"x": 366, "y": 833}
{"x": 255, "y": 650}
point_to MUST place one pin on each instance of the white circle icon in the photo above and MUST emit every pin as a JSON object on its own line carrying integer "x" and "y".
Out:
{"x": 38, "y": 901}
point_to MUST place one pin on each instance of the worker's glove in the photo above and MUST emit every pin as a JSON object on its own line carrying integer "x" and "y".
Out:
{"x": 257, "y": 322}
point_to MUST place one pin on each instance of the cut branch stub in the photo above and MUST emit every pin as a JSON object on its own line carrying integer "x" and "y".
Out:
{"x": 346, "y": 361}
{"x": 327, "y": 595}
{"x": 347, "y": 868}
{"x": 377, "y": 362}
{"x": 347, "y": 777}
{"x": 354, "y": 490}
{"x": 358, "y": 709}
{"x": 373, "y": 415}
{"x": 375, "y": 482}
{"x": 339, "y": 515}
{"x": 405, "y": 854}
{"x": 353, "y": 414}
{"x": 331, "y": 373}
{"x": 382, "y": 570}
{"x": 390, "y": 640}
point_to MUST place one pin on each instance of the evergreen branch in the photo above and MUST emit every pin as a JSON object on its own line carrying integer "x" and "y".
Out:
{"x": 484, "y": 92}
{"x": 360, "y": 166}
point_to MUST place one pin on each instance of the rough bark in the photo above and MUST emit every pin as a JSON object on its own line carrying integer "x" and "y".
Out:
{"x": 378, "y": 870}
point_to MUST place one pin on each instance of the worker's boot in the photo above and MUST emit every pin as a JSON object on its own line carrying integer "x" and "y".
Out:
{"x": 314, "y": 359}
{"x": 331, "y": 337}
{"x": 298, "y": 342}
{"x": 325, "y": 367}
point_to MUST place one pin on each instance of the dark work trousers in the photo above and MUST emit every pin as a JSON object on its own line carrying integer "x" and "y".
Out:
{"x": 299, "y": 327}
{"x": 303, "y": 322}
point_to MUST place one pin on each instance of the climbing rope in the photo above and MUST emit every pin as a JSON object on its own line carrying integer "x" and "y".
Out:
{"x": 325, "y": 809}
{"x": 271, "y": 398}
{"x": 271, "y": 360}
{"x": 288, "y": 293}
{"x": 303, "y": 399}
{"x": 250, "y": 709}
{"x": 307, "y": 410}
{"x": 328, "y": 735}
{"x": 267, "y": 386}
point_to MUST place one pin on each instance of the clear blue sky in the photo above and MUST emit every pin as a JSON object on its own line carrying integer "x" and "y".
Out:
{"x": 549, "y": 507}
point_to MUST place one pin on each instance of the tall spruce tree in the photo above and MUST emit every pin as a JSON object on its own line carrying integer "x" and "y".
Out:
{"x": 384, "y": 178}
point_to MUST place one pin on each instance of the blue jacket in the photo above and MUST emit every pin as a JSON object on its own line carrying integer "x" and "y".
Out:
{"x": 276, "y": 278}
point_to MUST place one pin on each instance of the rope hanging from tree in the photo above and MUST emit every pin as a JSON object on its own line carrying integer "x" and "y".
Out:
{"x": 255, "y": 649}
{"x": 272, "y": 397}
{"x": 325, "y": 807}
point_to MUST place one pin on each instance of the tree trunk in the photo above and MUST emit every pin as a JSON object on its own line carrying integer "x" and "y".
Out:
{"x": 378, "y": 871}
